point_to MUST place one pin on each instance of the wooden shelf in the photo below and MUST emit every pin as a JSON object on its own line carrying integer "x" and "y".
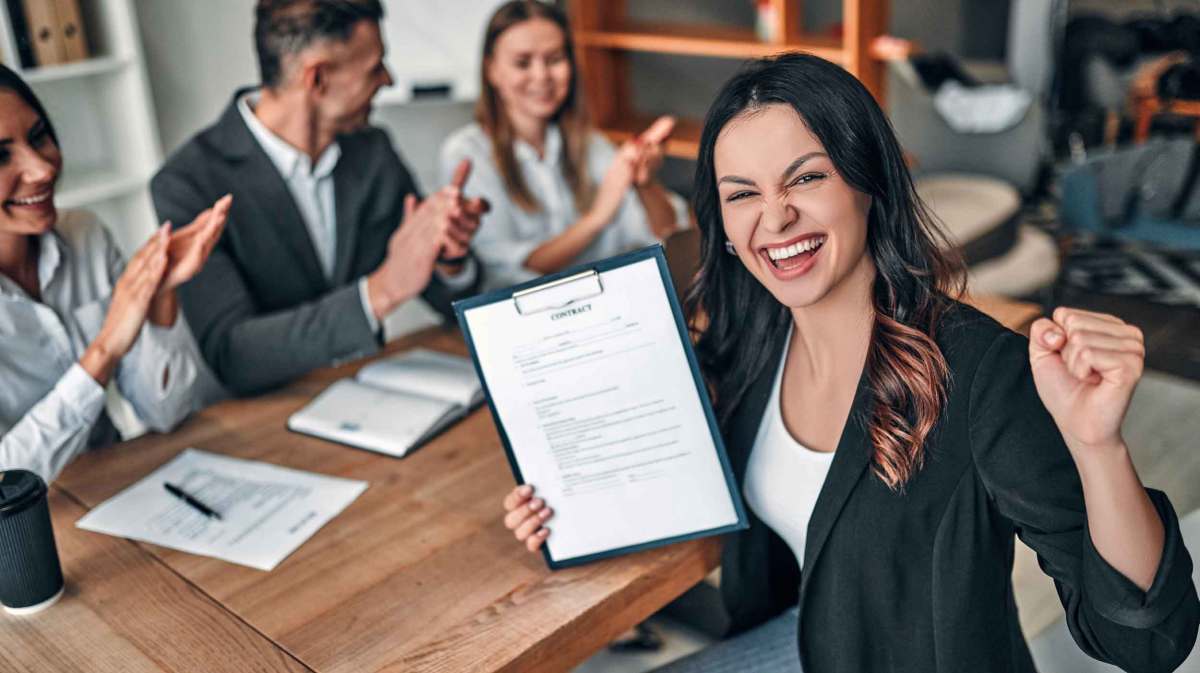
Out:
{"x": 104, "y": 111}
{"x": 606, "y": 35}
{"x": 683, "y": 143}
{"x": 704, "y": 40}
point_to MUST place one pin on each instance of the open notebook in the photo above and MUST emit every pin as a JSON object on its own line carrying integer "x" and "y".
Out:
{"x": 394, "y": 405}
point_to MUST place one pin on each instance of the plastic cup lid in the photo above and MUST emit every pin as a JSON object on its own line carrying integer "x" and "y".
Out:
{"x": 18, "y": 490}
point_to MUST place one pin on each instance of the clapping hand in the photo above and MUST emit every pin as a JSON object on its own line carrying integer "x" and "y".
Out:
{"x": 435, "y": 230}
{"x": 462, "y": 214}
{"x": 146, "y": 288}
{"x": 649, "y": 144}
{"x": 132, "y": 296}
{"x": 635, "y": 164}
{"x": 188, "y": 248}
{"x": 1086, "y": 366}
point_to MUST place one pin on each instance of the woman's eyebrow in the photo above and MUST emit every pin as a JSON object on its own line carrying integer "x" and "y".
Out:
{"x": 736, "y": 179}
{"x": 792, "y": 168}
{"x": 795, "y": 165}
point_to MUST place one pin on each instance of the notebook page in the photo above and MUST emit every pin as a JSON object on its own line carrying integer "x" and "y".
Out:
{"x": 428, "y": 373}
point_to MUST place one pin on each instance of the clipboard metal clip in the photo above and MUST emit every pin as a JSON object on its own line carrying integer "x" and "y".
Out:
{"x": 559, "y": 293}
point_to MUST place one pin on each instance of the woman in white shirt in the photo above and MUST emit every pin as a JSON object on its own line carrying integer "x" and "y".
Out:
{"x": 560, "y": 192}
{"x": 74, "y": 314}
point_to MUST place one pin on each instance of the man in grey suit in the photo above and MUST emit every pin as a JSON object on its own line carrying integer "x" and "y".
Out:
{"x": 326, "y": 235}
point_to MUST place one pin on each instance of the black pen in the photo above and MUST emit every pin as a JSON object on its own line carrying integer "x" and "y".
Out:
{"x": 196, "y": 504}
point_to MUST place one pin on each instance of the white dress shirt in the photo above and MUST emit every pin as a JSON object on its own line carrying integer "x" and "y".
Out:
{"x": 783, "y": 477}
{"x": 51, "y": 409}
{"x": 509, "y": 234}
{"x": 311, "y": 187}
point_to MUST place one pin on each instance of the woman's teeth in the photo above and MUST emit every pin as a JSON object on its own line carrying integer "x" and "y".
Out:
{"x": 32, "y": 200}
{"x": 778, "y": 254}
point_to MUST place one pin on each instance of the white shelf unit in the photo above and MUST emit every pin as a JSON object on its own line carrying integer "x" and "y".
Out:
{"x": 103, "y": 113}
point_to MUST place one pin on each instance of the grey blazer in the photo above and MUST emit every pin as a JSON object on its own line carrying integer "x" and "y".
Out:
{"x": 261, "y": 309}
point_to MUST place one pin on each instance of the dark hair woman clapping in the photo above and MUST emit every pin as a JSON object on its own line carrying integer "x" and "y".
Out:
{"x": 73, "y": 314}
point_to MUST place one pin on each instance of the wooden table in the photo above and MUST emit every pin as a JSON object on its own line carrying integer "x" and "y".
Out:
{"x": 418, "y": 574}
{"x": 123, "y": 610}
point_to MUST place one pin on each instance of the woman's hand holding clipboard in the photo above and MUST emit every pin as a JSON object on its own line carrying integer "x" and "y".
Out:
{"x": 598, "y": 400}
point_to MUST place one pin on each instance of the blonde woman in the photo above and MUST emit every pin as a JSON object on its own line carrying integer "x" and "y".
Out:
{"x": 560, "y": 192}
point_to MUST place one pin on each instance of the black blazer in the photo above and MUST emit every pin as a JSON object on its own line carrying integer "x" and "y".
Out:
{"x": 921, "y": 582}
{"x": 261, "y": 309}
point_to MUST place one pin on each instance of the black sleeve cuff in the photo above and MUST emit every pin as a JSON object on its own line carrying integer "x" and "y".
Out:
{"x": 1118, "y": 599}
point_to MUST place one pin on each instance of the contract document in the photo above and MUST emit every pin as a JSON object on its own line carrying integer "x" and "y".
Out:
{"x": 266, "y": 511}
{"x": 595, "y": 390}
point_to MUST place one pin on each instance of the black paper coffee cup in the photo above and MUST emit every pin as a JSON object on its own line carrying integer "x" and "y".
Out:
{"x": 31, "y": 577}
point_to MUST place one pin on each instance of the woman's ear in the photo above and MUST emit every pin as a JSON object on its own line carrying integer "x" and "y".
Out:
{"x": 865, "y": 202}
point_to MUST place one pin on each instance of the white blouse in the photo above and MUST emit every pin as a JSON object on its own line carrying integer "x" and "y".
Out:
{"x": 508, "y": 234}
{"x": 783, "y": 477}
{"x": 51, "y": 409}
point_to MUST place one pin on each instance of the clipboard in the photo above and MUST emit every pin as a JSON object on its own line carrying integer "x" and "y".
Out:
{"x": 560, "y": 294}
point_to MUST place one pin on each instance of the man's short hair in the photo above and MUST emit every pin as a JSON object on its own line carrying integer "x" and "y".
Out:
{"x": 285, "y": 28}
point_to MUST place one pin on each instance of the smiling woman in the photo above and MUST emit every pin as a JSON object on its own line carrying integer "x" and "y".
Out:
{"x": 889, "y": 440}
{"x": 560, "y": 192}
{"x": 778, "y": 188}
{"x": 73, "y": 313}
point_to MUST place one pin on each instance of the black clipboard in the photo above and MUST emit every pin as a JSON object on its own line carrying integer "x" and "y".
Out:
{"x": 558, "y": 291}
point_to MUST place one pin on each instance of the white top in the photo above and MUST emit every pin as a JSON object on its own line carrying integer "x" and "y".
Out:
{"x": 509, "y": 234}
{"x": 311, "y": 187}
{"x": 48, "y": 404}
{"x": 783, "y": 477}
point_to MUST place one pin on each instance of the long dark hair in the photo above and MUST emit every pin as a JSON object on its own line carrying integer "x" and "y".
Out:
{"x": 11, "y": 81}
{"x": 742, "y": 325}
{"x": 571, "y": 117}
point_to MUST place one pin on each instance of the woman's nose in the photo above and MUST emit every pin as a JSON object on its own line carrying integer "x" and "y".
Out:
{"x": 37, "y": 169}
{"x": 778, "y": 214}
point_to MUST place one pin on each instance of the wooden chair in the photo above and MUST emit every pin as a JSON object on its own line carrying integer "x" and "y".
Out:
{"x": 1144, "y": 100}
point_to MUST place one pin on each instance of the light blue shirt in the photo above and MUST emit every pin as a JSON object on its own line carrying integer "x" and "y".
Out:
{"x": 508, "y": 234}
{"x": 311, "y": 187}
{"x": 49, "y": 405}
